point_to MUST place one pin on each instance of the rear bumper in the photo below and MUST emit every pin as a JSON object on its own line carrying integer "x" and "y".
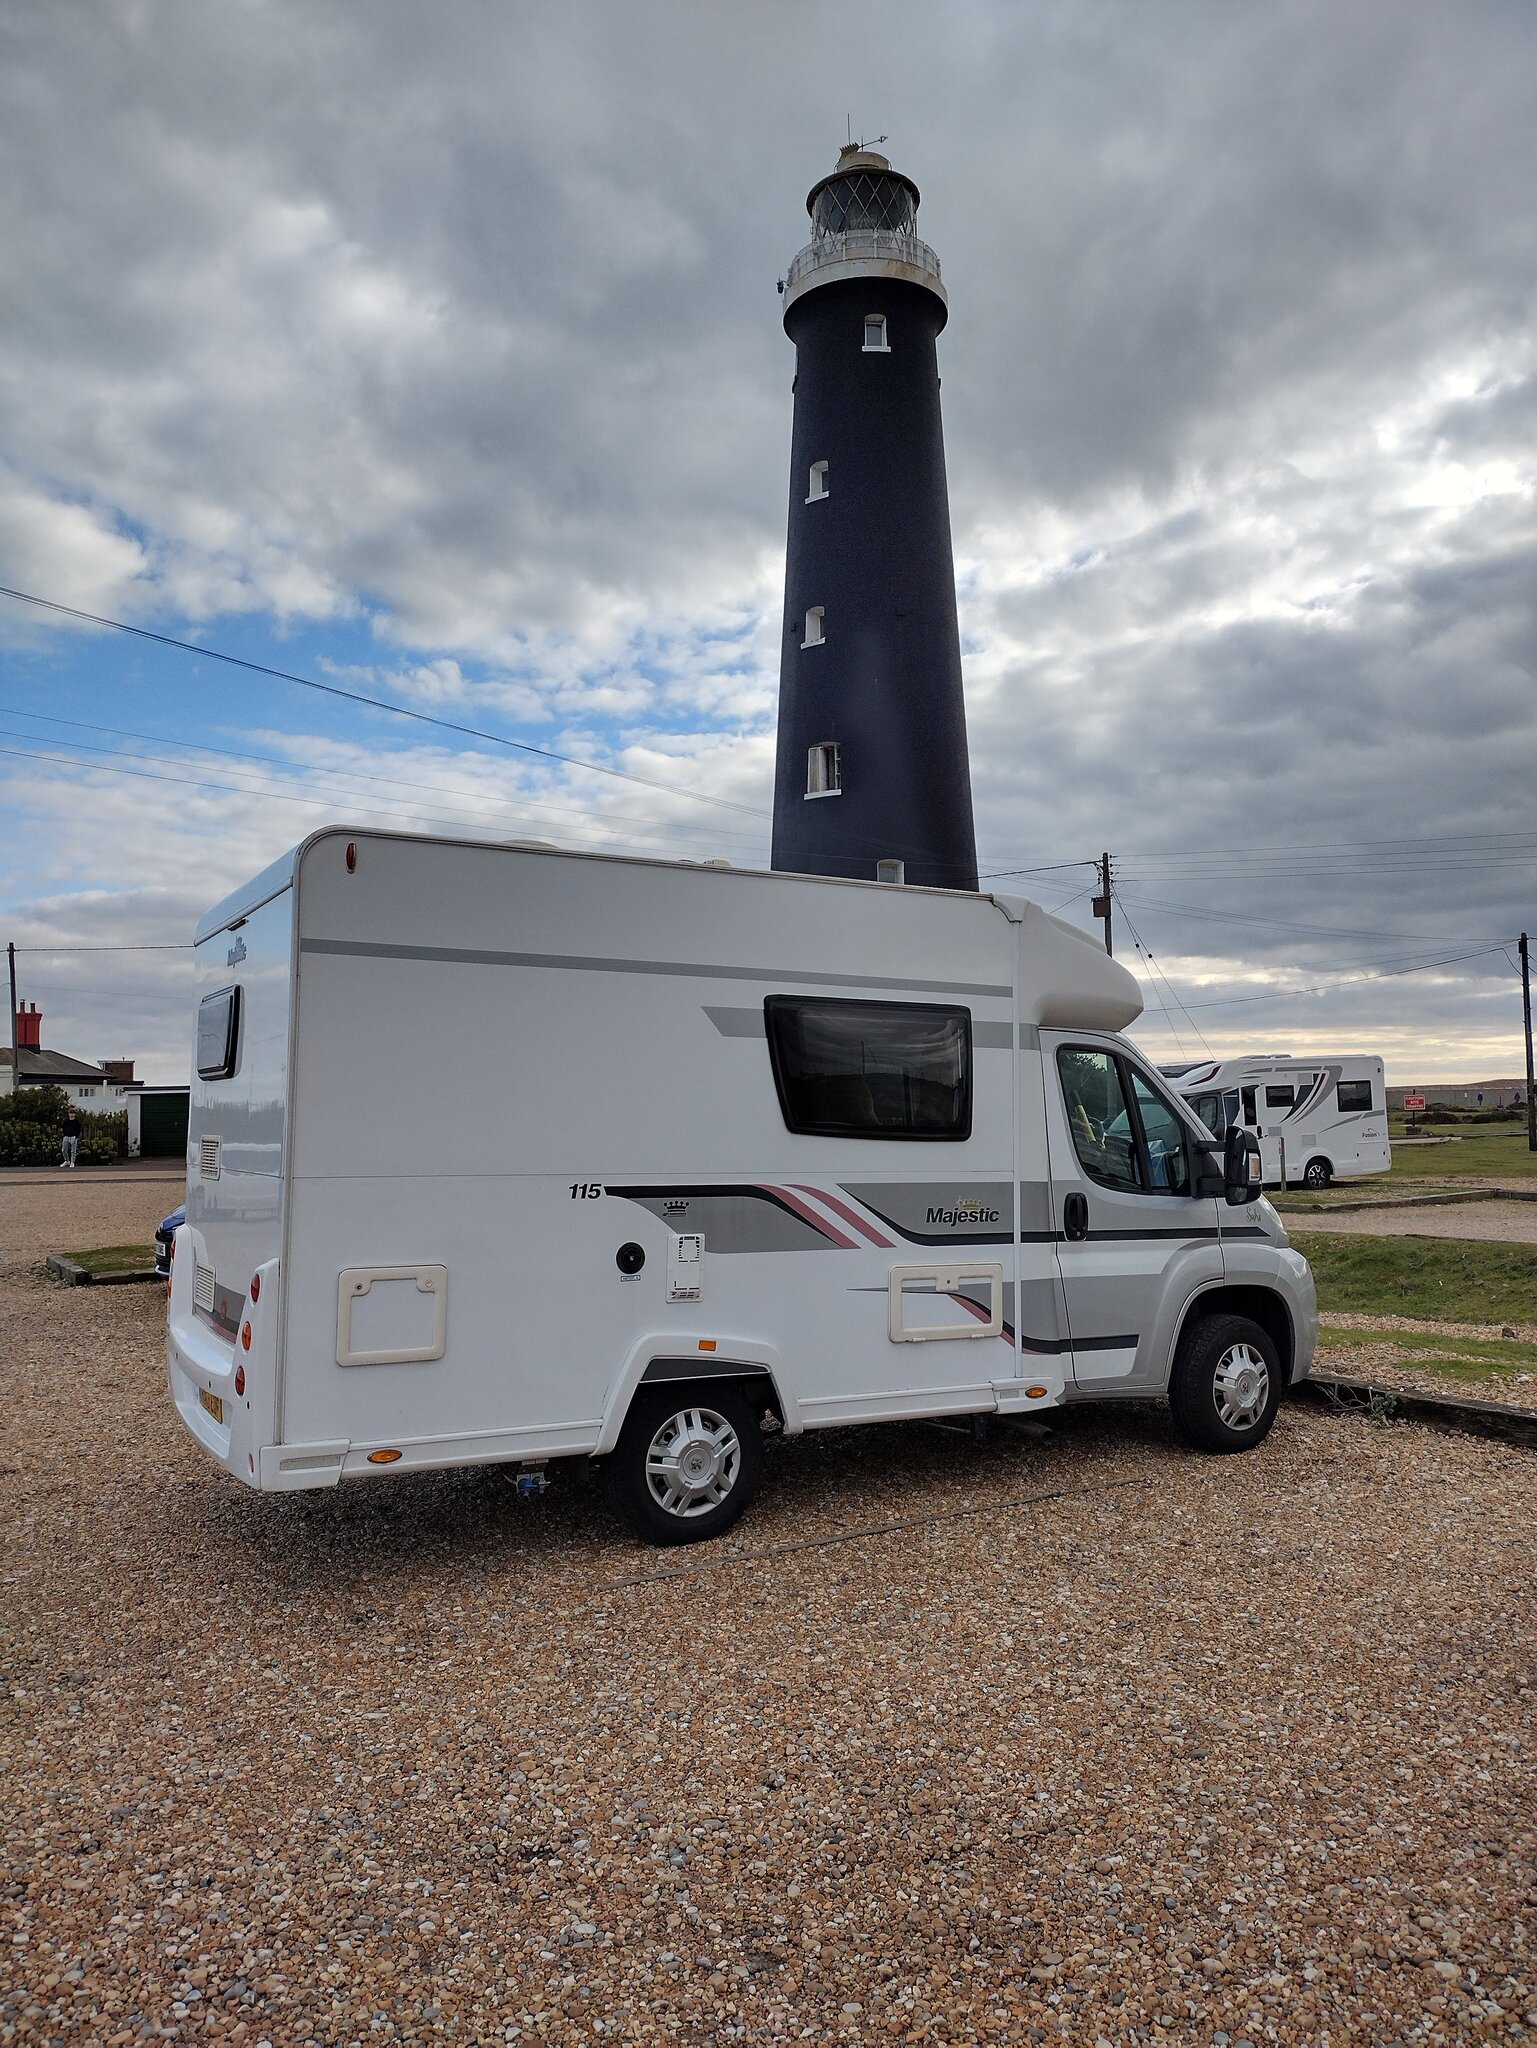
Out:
{"x": 199, "y": 1363}
{"x": 237, "y": 1373}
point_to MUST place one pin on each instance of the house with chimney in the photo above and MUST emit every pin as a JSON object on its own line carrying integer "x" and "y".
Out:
{"x": 101, "y": 1088}
{"x": 157, "y": 1116}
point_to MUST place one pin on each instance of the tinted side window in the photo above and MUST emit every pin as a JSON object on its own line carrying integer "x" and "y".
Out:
{"x": 1098, "y": 1117}
{"x": 218, "y": 1033}
{"x": 1168, "y": 1161}
{"x": 1355, "y": 1094}
{"x": 1280, "y": 1098}
{"x": 871, "y": 1070}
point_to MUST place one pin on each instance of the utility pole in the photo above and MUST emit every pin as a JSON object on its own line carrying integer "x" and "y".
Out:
{"x": 1101, "y": 904}
{"x": 1526, "y": 1006}
{"x": 15, "y": 1029}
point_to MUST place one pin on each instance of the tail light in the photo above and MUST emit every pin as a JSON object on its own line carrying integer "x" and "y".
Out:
{"x": 239, "y": 1379}
{"x": 256, "y": 1287}
{"x": 245, "y": 1336}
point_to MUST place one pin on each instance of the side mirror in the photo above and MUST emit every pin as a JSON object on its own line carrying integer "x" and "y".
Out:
{"x": 1210, "y": 1173}
{"x": 1242, "y": 1176}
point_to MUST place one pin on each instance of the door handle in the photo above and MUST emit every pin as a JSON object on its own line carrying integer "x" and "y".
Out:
{"x": 1075, "y": 1218}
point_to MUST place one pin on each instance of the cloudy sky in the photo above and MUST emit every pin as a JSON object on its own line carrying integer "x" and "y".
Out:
{"x": 433, "y": 353}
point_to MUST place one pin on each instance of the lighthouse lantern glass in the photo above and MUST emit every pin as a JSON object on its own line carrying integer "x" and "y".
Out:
{"x": 864, "y": 200}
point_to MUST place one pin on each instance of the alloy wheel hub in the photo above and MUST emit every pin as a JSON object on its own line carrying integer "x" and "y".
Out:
{"x": 692, "y": 1462}
{"x": 1241, "y": 1386}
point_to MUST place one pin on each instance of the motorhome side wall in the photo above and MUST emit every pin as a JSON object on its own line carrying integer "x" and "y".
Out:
{"x": 236, "y": 1125}
{"x": 511, "y": 1064}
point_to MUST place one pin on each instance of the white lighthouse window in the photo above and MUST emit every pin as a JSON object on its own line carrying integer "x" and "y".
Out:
{"x": 824, "y": 773}
{"x": 818, "y": 487}
{"x": 814, "y": 617}
{"x": 875, "y": 335}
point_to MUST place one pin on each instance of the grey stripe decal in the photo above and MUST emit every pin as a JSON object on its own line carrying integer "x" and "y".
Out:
{"x": 475, "y": 956}
{"x": 735, "y": 1023}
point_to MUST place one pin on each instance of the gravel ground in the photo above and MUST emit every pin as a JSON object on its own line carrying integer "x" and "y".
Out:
{"x": 1106, "y": 1743}
{"x": 44, "y": 1210}
{"x": 1392, "y": 1365}
{"x": 1497, "y": 1222}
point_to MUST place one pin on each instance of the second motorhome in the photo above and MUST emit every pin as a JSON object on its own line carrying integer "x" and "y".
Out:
{"x": 507, "y": 1155}
{"x": 1317, "y": 1120}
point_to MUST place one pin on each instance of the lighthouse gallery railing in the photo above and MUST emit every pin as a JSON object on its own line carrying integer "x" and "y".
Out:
{"x": 862, "y": 245}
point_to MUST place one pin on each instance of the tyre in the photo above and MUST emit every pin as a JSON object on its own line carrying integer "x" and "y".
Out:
{"x": 1317, "y": 1174}
{"x": 687, "y": 1462}
{"x": 1226, "y": 1384}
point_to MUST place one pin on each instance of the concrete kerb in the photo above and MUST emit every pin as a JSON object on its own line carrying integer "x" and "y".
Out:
{"x": 1461, "y": 1412}
{"x": 73, "y": 1274}
{"x": 1449, "y": 1198}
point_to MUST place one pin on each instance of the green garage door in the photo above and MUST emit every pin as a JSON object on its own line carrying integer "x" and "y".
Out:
{"x": 163, "y": 1125}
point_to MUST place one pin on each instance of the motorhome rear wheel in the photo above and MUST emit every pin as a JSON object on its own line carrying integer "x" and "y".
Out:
{"x": 1226, "y": 1384}
{"x": 1316, "y": 1174}
{"x": 687, "y": 1462}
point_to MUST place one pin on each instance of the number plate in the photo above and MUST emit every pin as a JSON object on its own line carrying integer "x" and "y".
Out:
{"x": 212, "y": 1403}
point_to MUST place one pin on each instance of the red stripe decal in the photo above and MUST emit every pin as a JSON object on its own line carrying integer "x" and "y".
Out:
{"x": 810, "y": 1216}
{"x": 842, "y": 1209}
{"x": 983, "y": 1315}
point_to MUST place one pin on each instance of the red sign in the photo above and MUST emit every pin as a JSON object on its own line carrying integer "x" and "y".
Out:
{"x": 1414, "y": 1102}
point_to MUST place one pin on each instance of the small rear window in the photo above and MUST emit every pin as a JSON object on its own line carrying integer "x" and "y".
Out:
{"x": 218, "y": 1033}
{"x": 871, "y": 1070}
{"x": 1280, "y": 1098}
{"x": 1355, "y": 1095}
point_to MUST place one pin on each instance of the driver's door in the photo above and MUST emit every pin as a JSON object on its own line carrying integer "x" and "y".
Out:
{"x": 1134, "y": 1240}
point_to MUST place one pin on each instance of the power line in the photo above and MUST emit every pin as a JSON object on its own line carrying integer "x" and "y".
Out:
{"x": 342, "y": 775}
{"x": 1342, "y": 981}
{"x": 284, "y": 675}
{"x": 343, "y": 801}
{"x": 1154, "y": 968}
{"x": 1281, "y": 924}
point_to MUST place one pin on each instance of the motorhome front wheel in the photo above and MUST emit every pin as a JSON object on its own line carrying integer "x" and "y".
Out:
{"x": 1226, "y": 1384}
{"x": 686, "y": 1464}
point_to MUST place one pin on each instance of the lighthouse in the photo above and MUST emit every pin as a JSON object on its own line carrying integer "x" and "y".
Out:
{"x": 871, "y": 778}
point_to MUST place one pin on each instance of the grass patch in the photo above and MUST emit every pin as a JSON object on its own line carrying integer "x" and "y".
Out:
{"x": 1468, "y": 1358}
{"x": 1484, "y": 1153}
{"x": 115, "y": 1258}
{"x": 1451, "y": 1279}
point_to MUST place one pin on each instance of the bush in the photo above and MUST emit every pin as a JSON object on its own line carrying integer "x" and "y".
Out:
{"x": 24, "y": 1144}
{"x": 47, "y": 1106}
{"x": 103, "y": 1138}
{"x": 31, "y": 1130}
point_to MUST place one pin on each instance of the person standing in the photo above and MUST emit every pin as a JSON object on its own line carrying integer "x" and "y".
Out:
{"x": 71, "y": 1138}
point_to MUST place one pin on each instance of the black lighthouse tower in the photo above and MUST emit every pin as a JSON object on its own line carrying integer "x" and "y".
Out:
{"x": 872, "y": 766}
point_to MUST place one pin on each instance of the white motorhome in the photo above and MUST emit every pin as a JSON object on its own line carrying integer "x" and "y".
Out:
{"x": 499, "y": 1154}
{"x": 1316, "y": 1119}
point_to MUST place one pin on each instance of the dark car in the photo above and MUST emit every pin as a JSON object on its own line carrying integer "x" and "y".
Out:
{"x": 163, "y": 1237}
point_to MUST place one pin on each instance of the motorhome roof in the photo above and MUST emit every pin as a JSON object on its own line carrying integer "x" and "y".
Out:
{"x": 271, "y": 881}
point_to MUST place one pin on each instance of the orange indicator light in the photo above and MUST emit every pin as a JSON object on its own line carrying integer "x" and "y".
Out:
{"x": 707, "y": 1343}
{"x": 382, "y": 1457}
{"x": 1035, "y": 1393}
{"x": 245, "y": 1337}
